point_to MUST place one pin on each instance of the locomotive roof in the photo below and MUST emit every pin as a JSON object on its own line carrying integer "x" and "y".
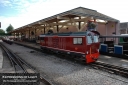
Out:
{"x": 66, "y": 34}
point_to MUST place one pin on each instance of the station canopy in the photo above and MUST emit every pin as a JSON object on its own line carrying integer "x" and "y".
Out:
{"x": 77, "y": 12}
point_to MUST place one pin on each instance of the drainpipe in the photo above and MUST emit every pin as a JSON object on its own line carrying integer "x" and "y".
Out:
{"x": 117, "y": 31}
{"x": 106, "y": 27}
{"x": 126, "y": 30}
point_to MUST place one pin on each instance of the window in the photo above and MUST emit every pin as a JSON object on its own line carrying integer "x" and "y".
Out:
{"x": 92, "y": 39}
{"x": 74, "y": 40}
{"x": 89, "y": 39}
{"x": 77, "y": 40}
{"x": 96, "y": 39}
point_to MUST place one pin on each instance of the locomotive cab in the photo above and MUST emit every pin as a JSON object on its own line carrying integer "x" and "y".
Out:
{"x": 92, "y": 47}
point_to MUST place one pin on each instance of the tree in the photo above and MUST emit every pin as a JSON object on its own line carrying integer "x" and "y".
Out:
{"x": 2, "y": 31}
{"x": 9, "y": 28}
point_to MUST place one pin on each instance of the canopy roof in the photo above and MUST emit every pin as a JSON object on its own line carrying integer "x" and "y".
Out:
{"x": 77, "y": 12}
{"x": 81, "y": 11}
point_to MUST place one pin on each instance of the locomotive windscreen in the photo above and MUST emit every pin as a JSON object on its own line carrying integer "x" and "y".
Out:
{"x": 96, "y": 39}
{"x": 92, "y": 38}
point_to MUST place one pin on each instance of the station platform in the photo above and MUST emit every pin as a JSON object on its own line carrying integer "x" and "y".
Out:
{"x": 102, "y": 58}
{"x": 113, "y": 60}
{"x": 1, "y": 57}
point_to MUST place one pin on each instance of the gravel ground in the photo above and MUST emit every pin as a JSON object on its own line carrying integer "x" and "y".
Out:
{"x": 63, "y": 72}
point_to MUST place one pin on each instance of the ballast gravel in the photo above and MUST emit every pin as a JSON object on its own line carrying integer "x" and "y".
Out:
{"x": 63, "y": 72}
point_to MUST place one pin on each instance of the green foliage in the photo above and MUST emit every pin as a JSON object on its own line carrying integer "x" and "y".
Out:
{"x": 9, "y": 28}
{"x": 2, "y": 31}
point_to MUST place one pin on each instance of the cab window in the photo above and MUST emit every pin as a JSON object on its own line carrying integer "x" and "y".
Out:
{"x": 89, "y": 39}
{"x": 92, "y": 39}
{"x": 77, "y": 41}
{"x": 96, "y": 39}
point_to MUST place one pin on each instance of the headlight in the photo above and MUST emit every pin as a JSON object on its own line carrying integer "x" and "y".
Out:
{"x": 87, "y": 52}
{"x": 98, "y": 50}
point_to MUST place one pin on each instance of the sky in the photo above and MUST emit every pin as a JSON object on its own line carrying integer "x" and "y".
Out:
{"x": 19, "y": 13}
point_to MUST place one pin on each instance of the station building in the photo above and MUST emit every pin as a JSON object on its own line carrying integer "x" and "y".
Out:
{"x": 124, "y": 28}
{"x": 74, "y": 20}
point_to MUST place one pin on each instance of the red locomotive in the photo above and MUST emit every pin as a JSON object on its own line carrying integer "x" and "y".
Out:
{"x": 83, "y": 45}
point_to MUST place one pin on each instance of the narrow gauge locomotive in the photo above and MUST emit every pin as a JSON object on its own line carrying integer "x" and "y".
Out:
{"x": 82, "y": 45}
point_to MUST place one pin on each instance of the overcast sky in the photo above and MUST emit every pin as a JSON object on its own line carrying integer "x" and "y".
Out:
{"x": 22, "y": 12}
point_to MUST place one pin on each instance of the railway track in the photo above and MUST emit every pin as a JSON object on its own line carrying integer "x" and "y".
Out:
{"x": 20, "y": 65}
{"x": 110, "y": 68}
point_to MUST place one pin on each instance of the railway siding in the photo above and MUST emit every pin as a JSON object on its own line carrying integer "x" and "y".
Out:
{"x": 63, "y": 72}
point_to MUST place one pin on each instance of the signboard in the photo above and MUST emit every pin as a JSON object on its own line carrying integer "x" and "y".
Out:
{"x": 19, "y": 78}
